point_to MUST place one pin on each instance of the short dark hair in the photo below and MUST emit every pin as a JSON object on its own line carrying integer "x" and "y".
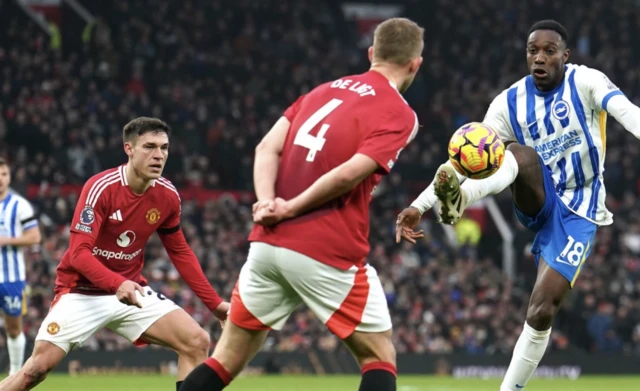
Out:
{"x": 550, "y": 24}
{"x": 3, "y": 162}
{"x": 142, "y": 125}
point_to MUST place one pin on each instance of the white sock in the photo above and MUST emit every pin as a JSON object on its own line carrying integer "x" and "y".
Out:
{"x": 526, "y": 355}
{"x": 477, "y": 189}
{"x": 16, "y": 352}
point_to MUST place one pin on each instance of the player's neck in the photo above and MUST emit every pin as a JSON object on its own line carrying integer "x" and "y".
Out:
{"x": 395, "y": 76}
{"x": 4, "y": 195}
{"x": 137, "y": 184}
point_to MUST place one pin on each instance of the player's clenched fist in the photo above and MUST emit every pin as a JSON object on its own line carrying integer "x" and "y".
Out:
{"x": 406, "y": 223}
{"x": 126, "y": 293}
{"x": 272, "y": 213}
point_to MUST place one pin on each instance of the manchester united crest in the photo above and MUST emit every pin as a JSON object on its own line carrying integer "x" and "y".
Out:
{"x": 153, "y": 215}
{"x": 53, "y": 328}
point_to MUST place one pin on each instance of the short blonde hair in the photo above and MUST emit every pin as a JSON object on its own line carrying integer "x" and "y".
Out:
{"x": 397, "y": 41}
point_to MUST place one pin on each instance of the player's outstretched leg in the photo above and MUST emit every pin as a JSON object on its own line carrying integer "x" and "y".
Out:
{"x": 377, "y": 358}
{"x": 454, "y": 197}
{"x": 45, "y": 357}
{"x": 539, "y": 208}
{"x": 530, "y": 185}
{"x": 236, "y": 347}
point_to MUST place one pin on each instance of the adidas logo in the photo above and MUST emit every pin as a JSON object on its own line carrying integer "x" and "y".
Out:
{"x": 117, "y": 216}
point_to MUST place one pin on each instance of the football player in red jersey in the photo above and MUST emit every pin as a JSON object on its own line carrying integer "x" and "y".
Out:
{"x": 99, "y": 282}
{"x": 314, "y": 173}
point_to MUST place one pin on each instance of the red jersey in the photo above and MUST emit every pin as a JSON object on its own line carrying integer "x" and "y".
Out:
{"x": 355, "y": 114}
{"x": 119, "y": 223}
{"x": 110, "y": 228}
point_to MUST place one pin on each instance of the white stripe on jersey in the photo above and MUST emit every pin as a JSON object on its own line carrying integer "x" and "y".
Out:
{"x": 98, "y": 186}
{"x": 123, "y": 175}
{"x": 165, "y": 182}
{"x": 13, "y": 210}
{"x": 566, "y": 127}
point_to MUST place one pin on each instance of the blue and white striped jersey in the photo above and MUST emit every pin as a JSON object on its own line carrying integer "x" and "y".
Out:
{"x": 567, "y": 127}
{"x": 16, "y": 216}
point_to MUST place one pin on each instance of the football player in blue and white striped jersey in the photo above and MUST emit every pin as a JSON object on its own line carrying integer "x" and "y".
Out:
{"x": 553, "y": 121}
{"x": 18, "y": 229}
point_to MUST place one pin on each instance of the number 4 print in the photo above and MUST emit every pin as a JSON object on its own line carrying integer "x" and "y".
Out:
{"x": 315, "y": 143}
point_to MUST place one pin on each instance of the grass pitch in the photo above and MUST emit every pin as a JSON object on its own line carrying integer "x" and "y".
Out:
{"x": 333, "y": 383}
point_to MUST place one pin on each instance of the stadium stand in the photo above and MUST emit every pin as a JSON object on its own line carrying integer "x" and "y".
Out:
{"x": 222, "y": 74}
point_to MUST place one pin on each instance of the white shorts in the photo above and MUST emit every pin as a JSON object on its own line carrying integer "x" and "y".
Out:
{"x": 275, "y": 280}
{"x": 74, "y": 317}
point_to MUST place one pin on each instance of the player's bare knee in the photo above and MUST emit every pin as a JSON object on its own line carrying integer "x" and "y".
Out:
{"x": 540, "y": 314}
{"x": 525, "y": 155}
{"x": 13, "y": 332}
{"x": 382, "y": 353}
{"x": 369, "y": 348}
{"x": 13, "y": 326}
{"x": 197, "y": 346}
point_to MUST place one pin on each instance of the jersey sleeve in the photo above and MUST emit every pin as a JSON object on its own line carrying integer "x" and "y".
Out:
{"x": 291, "y": 112}
{"x": 497, "y": 118}
{"x": 172, "y": 223}
{"x": 599, "y": 89}
{"x": 26, "y": 215}
{"x": 385, "y": 143}
{"x": 90, "y": 209}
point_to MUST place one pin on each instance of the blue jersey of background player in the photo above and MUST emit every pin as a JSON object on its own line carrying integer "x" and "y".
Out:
{"x": 18, "y": 228}
{"x": 554, "y": 122}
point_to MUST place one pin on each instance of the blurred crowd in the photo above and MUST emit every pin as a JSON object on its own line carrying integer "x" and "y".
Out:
{"x": 220, "y": 73}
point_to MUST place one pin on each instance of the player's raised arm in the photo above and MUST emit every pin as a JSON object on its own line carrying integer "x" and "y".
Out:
{"x": 188, "y": 266}
{"x": 607, "y": 96}
{"x": 85, "y": 227}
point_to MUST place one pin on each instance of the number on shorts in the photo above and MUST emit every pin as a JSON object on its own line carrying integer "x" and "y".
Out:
{"x": 161, "y": 296}
{"x": 13, "y": 302}
{"x": 315, "y": 143}
{"x": 572, "y": 252}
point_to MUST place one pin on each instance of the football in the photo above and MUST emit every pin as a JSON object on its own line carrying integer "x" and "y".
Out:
{"x": 476, "y": 151}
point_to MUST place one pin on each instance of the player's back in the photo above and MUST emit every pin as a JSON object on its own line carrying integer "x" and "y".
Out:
{"x": 354, "y": 114}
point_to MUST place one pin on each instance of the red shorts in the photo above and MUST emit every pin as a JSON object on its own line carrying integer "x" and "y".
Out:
{"x": 275, "y": 280}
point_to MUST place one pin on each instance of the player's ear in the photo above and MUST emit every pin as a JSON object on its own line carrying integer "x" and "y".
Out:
{"x": 128, "y": 148}
{"x": 415, "y": 65}
{"x": 370, "y": 53}
{"x": 566, "y": 55}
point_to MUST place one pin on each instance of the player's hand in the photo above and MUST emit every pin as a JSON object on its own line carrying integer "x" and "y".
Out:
{"x": 222, "y": 312}
{"x": 406, "y": 223}
{"x": 268, "y": 204}
{"x": 126, "y": 293}
{"x": 267, "y": 217}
